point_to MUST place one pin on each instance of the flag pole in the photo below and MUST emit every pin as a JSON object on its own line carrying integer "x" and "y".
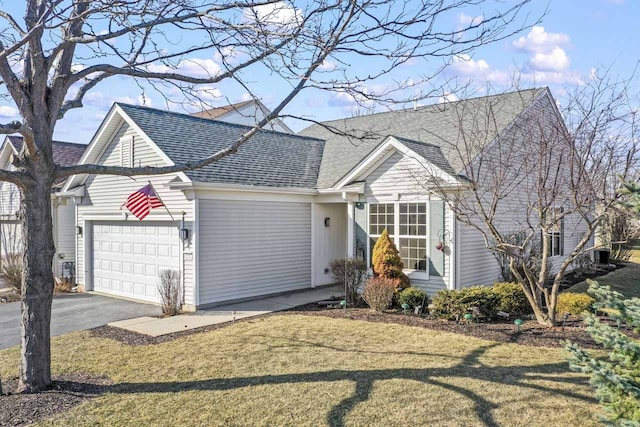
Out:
{"x": 161, "y": 201}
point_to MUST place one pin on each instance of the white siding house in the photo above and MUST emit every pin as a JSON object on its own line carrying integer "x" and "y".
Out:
{"x": 62, "y": 206}
{"x": 272, "y": 217}
{"x": 228, "y": 243}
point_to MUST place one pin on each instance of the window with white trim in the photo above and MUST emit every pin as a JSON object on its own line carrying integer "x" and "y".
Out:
{"x": 406, "y": 224}
{"x": 413, "y": 235}
{"x": 556, "y": 234}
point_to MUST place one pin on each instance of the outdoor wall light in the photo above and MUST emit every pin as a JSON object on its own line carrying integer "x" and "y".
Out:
{"x": 327, "y": 222}
{"x": 79, "y": 230}
{"x": 184, "y": 233}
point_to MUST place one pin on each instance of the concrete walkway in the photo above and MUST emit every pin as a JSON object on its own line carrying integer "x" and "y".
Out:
{"x": 73, "y": 312}
{"x": 156, "y": 327}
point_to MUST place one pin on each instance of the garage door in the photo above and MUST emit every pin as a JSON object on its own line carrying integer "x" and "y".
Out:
{"x": 127, "y": 257}
{"x": 248, "y": 249}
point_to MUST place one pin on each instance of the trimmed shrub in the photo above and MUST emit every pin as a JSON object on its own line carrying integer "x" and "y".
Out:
{"x": 170, "y": 289}
{"x": 62, "y": 285}
{"x": 573, "y": 303}
{"x": 387, "y": 262}
{"x": 512, "y": 298}
{"x": 445, "y": 305}
{"x": 413, "y": 296}
{"x": 453, "y": 304}
{"x": 11, "y": 271}
{"x": 378, "y": 293}
{"x": 350, "y": 272}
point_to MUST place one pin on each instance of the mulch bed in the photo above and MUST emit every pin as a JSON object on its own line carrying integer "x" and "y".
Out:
{"x": 66, "y": 392}
{"x": 531, "y": 332}
{"x": 571, "y": 278}
{"x": 136, "y": 339}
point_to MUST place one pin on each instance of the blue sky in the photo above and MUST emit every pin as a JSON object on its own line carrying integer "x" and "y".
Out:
{"x": 573, "y": 39}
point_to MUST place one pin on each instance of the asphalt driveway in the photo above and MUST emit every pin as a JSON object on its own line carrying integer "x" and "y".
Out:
{"x": 73, "y": 312}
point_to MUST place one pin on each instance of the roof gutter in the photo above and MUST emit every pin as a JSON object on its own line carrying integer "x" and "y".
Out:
{"x": 211, "y": 186}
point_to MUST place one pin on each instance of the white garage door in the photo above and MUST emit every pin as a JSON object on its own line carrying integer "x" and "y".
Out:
{"x": 127, "y": 257}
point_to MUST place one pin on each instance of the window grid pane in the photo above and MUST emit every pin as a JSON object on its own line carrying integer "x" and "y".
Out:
{"x": 381, "y": 216}
{"x": 413, "y": 219}
{"x": 414, "y": 253}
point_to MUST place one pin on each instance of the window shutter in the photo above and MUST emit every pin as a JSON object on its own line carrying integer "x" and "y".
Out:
{"x": 123, "y": 142}
{"x": 562, "y": 233}
{"x": 132, "y": 151}
{"x": 436, "y": 232}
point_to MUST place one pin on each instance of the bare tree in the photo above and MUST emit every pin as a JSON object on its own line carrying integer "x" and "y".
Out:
{"x": 62, "y": 49}
{"x": 537, "y": 189}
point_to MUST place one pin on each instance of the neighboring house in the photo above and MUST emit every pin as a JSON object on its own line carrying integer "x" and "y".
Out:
{"x": 63, "y": 209}
{"x": 244, "y": 113}
{"x": 270, "y": 218}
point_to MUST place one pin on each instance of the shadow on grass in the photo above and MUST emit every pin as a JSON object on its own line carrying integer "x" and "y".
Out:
{"x": 469, "y": 367}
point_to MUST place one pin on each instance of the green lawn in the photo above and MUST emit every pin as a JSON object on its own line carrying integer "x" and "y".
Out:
{"x": 625, "y": 280}
{"x": 305, "y": 370}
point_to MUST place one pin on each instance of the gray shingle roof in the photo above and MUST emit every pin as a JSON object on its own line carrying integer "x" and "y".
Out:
{"x": 269, "y": 158}
{"x": 432, "y": 153}
{"x": 64, "y": 153}
{"x": 440, "y": 125}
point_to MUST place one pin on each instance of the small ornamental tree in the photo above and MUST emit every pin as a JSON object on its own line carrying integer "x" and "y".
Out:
{"x": 616, "y": 378}
{"x": 387, "y": 262}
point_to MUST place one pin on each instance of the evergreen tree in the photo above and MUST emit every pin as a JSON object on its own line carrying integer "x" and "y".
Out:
{"x": 387, "y": 262}
{"x": 617, "y": 378}
{"x": 631, "y": 192}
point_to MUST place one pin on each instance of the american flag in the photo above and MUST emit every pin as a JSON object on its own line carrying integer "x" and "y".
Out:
{"x": 142, "y": 201}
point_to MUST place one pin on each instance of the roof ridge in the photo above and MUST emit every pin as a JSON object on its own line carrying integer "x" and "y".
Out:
{"x": 70, "y": 143}
{"x": 205, "y": 120}
{"x": 230, "y": 106}
{"x": 435, "y": 104}
{"x": 21, "y": 138}
{"x": 402, "y": 138}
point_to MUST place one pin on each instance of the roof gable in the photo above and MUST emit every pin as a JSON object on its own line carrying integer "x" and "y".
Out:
{"x": 427, "y": 156}
{"x": 269, "y": 158}
{"x": 439, "y": 125}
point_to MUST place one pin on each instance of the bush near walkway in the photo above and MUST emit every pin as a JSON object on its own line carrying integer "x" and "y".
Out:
{"x": 349, "y": 273}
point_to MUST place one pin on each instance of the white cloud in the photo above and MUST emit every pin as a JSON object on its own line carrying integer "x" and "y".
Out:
{"x": 194, "y": 67}
{"x": 447, "y": 97}
{"x": 556, "y": 60}
{"x": 465, "y": 65}
{"x": 467, "y": 20}
{"x": 548, "y": 69}
{"x": 274, "y": 16}
{"x": 8, "y": 112}
{"x": 104, "y": 101}
{"x": 328, "y": 65}
{"x": 538, "y": 40}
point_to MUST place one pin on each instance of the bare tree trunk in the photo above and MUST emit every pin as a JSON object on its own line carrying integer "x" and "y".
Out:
{"x": 37, "y": 288}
